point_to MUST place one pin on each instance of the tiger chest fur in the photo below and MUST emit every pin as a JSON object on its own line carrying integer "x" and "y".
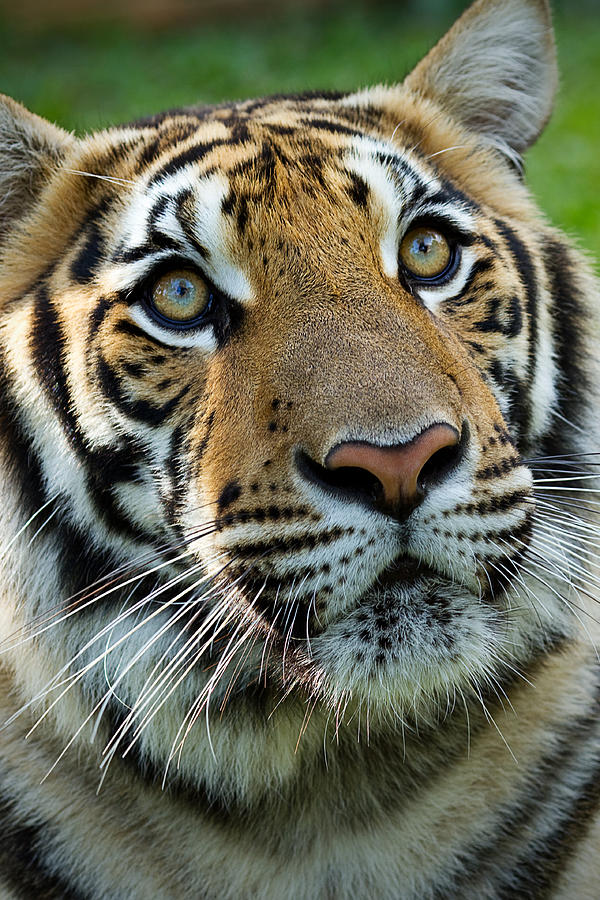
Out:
{"x": 292, "y": 603}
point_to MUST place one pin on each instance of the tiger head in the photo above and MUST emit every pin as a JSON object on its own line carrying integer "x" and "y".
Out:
{"x": 272, "y": 372}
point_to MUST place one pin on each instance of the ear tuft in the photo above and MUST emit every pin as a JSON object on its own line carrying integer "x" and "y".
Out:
{"x": 30, "y": 151}
{"x": 495, "y": 72}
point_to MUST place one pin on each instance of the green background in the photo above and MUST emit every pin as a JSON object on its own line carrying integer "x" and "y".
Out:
{"x": 93, "y": 74}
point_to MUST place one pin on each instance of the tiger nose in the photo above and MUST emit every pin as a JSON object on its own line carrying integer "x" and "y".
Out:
{"x": 395, "y": 478}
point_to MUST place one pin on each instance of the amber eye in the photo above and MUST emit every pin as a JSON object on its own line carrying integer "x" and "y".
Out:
{"x": 180, "y": 298}
{"x": 425, "y": 252}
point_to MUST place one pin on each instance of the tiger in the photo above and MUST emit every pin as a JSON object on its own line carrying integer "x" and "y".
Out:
{"x": 298, "y": 434}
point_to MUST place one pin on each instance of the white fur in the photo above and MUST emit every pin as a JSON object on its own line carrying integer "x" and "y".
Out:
{"x": 433, "y": 296}
{"x": 388, "y": 205}
{"x": 202, "y": 338}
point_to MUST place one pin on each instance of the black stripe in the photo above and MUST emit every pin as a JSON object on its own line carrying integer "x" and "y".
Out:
{"x": 475, "y": 347}
{"x": 451, "y": 194}
{"x": 496, "y": 469}
{"x": 526, "y": 270}
{"x": 81, "y": 564}
{"x": 183, "y": 200}
{"x": 537, "y": 876}
{"x": 517, "y": 533}
{"x": 90, "y": 255}
{"x": 494, "y": 504}
{"x": 98, "y": 315}
{"x": 229, "y": 320}
{"x": 358, "y": 190}
{"x": 193, "y": 154}
{"x": 533, "y": 875}
{"x": 478, "y": 268}
{"x": 107, "y": 468}
{"x": 104, "y": 467}
{"x": 512, "y": 387}
{"x": 201, "y": 449}
{"x": 164, "y": 139}
{"x": 174, "y": 503}
{"x": 568, "y": 326}
{"x": 363, "y": 117}
{"x": 228, "y": 203}
{"x": 290, "y": 544}
{"x": 21, "y": 860}
{"x": 569, "y": 833}
{"x": 502, "y": 317}
{"x": 270, "y": 513}
{"x": 49, "y": 350}
{"x": 27, "y": 472}
{"x": 154, "y": 121}
{"x": 296, "y": 99}
{"x": 141, "y": 410}
{"x": 280, "y": 130}
{"x": 157, "y": 240}
{"x": 23, "y": 461}
{"x": 220, "y": 812}
{"x": 242, "y": 215}
{"x": 157, "y": 210}
{"x": 132, "y": 254}
{"x": 332, "y": 127}
{"x": 262, "y": 167}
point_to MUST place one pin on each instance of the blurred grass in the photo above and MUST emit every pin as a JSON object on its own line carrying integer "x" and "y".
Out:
{"x": 89, "y": 76}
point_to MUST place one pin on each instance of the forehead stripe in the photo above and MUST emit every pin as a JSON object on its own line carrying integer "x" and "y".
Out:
{"x": 191, "y": 155}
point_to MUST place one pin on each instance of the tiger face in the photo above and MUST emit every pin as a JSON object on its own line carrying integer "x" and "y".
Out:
{"x": 276, "y": 369}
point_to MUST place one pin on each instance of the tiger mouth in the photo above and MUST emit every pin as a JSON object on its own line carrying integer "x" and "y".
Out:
{"x": 404, "y": 571}
{"x": 412, "y": 579}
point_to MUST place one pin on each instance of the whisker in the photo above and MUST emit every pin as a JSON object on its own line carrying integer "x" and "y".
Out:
{"x": 446, "y": 150}
{"x": 156, "y": 693}
{"x": 150, "y": 693}
{"x": 110, "y": 178}
{"x": 72, "y": 679}
{"x": 82, "y": 600}
{"x": 24, "y": 527}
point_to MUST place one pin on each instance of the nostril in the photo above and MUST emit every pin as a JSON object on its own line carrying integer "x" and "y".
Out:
{"x": 351, "y": 481}
{"x": 439, "y": 466}
{"x": 443, "y": 462}
{"x": 355, "y": 480}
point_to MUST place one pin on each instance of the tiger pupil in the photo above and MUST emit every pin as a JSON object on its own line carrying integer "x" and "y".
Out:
{"x": 181, "y": 289}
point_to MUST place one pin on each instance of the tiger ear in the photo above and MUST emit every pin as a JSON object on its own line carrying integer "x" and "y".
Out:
{"x": 31, "y": 149}
{"x": 495, "y": 71}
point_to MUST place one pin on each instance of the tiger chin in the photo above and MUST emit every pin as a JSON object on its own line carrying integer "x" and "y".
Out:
{"x": 298, "y": 414}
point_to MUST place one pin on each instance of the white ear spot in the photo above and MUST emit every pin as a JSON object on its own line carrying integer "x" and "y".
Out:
{"x": 494, "y": 71}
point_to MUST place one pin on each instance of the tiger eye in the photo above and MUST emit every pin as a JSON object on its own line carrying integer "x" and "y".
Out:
{"x": 181, "y": 296}
{"x": 425, "y": 252}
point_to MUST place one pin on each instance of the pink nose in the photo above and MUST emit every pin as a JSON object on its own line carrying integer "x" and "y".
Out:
{"x": 402, "y": 470}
